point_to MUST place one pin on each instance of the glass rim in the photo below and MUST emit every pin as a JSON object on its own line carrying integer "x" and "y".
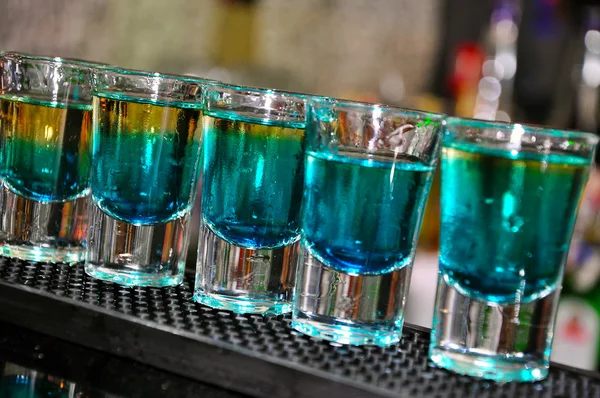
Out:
{"x": 242, "y": 89}
{"x": 362, "y": 106}
{"x": 116, "y": 70}
{"x": 253, "y": 104}
{"x": 589, "y": 138}
{"x": 68, "y": 62}
{"x": 146, "y": 93}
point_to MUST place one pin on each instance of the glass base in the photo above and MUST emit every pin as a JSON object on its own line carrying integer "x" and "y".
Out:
{"x": 504, "y": 343}
{"x": 136, "y": 255}
{"x": 44, "y": 254}
{"x": 131, "y": 277}
{"x": 245, "y": 281}
{"x": 242, "y": 305}
{"x": 492, "y": 368}
{"x": 36, "y": 231}
{"x": 339, "y": 331}
{"x": 347, "y": 309}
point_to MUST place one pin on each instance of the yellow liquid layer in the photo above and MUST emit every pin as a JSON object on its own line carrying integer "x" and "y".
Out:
{"x": 145, "y": 159}
{"x": 46, "y": 149}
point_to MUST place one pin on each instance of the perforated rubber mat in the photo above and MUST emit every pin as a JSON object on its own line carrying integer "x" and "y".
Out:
{"x": 255, "y": 355}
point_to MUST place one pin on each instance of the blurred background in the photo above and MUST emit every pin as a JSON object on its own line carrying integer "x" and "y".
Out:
{"x": 534, "y": 61}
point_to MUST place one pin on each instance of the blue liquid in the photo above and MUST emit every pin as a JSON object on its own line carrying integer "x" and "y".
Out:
{"x": 362, "y": 216}
{"x": 507, "y": 220}
{"x": 46, "y": 153}
{"x": 145, "y": 160}
{"x": 252, "y": 181}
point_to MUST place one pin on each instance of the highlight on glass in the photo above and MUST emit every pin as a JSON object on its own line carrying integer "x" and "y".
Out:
{"x": 45, "y": 133}
{"x": 253, "y": 143}
{"x": 368, "y": 172}
{"x": 509, "y": 201}
{"x": 146, "y": 147}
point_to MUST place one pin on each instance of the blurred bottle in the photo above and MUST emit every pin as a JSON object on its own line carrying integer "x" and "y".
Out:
{"x": 577, "y": 333}
{"x": 577, "y": 336}
{"x": 480, "y": 84}
{"x": 587, "y": 101}
{"x": 429, "y": 239}
{"x": 463, "y": 82}
{"x": 236, "y": 48}
{"x": 494, "y": 100}
{"x": 544, "y": 59}
{"x": 465, "y": 77}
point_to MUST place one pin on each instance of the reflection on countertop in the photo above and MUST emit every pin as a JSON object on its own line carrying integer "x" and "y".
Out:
{"x": 33, "y": 365}
{"x": 22, "y": 382}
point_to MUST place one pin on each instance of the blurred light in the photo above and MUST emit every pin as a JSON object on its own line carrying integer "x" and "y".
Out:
{"x": 481, "y": 102}
{"x": 592, "y": 41}
{"x": 493, "y": 68}
{"x": 591, "y": 72}
{"x": 485, "y": 110}
{"x": 391, "y": 87}
{"x": 502, "y": 116}
{"x": 219, "y": 74}
{"x": 484, "y": 116}
{"x": 489, "y": 88}
{"x": 508, "y": 60}
{"x": 486, "y": 107}
{"x": 507, "y": 31}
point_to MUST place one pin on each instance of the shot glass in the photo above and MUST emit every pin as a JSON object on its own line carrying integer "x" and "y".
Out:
{"x": 509, "y": 200}
{"x": 368, "y": 171}
{"x": 253, "y": 141}
{"x": 146, "y": 148}
{"x": 45, "y": 133}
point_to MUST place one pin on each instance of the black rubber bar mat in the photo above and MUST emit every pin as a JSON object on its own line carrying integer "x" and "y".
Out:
{"x": 254, "y": 355}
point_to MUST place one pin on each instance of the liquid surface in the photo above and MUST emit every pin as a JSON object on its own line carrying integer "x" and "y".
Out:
{"x": 363, "y": 216}
{"x": 507, "y": 220}
{"x": 145, "y": 160}
{"x": 46, "y": 149}
{"x": 252, "y": 182}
